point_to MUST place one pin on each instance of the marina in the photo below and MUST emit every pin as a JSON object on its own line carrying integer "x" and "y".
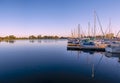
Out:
{"x": 59, "y": 41}
{"x": 105, "y": 42}
{"x": 112, "y": 46}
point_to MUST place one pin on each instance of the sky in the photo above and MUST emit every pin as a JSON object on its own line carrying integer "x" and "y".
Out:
{"x": 56, "y": 17}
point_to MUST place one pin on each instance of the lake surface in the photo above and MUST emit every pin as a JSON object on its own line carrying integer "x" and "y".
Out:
{"x": 49, "y": 61}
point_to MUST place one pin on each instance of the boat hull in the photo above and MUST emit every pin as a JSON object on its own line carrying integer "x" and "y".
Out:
{"x": 112, "y": 49}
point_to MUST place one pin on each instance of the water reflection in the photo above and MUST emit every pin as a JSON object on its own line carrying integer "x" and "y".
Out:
{"x": 113, "y": 55}
{"x": 39, "y": 41}
{"x": 89, "y": 57}
{"x": 50, "y": 40}
{"x": 48, "y": 61}
{"x": 89, "y": 52}
{"x": 44, "y": 40}
{"x": 31, "y": 41}
{"x": 35, "y": 40}
{"x": 99, "y": 61}
{"x": 10, "y": 41}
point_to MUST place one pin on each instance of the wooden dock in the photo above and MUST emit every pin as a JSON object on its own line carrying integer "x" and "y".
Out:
{"x": 85, "y": 48}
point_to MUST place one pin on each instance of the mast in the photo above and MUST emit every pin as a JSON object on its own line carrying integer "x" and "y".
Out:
{"x": 74, "y": 33}
{"x": 78, "y": 30}
{"x": 88, "y": 29}
{"x": 109, "y": 26}
{"x": 118, "y": 33}
{"x": 71, "y": 33}
{"x": 110, "y": 29}
{"x": 94, "y": 23}
{"x": 100, "y": 25}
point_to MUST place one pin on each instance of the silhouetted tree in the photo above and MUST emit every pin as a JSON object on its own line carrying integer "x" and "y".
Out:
{"x": 56, "y": 37}
{"x": 39, "y": 36}
{"x": 12, "y": 37}
{"x": 32, "y": 37}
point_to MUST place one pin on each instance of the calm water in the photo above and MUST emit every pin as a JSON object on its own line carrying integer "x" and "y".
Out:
{"x": 49, "y": 61}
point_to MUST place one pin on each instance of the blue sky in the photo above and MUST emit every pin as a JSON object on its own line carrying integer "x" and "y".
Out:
{"x": 55, "y": 17}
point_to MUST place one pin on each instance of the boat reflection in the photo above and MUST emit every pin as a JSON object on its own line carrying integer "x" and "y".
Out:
{"x": 113, "y": 55}
{"x": 90, "y": 58}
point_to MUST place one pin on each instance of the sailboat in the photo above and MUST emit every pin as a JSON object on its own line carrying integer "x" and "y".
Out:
{"x": 114, "y": 47}
{"x": 74, "y": 41}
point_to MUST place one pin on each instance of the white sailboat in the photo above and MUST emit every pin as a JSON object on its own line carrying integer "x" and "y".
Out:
{"x": 114, "y": 47}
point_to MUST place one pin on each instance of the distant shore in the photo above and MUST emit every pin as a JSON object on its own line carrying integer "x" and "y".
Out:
{"x": 12, "y": 37}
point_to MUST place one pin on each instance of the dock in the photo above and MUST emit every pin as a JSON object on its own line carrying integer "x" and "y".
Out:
{"x": 85, "y": 48}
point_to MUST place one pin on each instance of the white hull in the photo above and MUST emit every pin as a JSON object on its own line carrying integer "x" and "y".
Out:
{"x": 112, "y": 49}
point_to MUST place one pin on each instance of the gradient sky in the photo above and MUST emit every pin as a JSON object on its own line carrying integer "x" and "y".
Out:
{"x": 55, "y": 17}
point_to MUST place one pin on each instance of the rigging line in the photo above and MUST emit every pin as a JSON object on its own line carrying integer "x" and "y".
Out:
{"x": 118, "y": 33}
{"x": 109, "y": 27}
{"x": 100, "y": 24}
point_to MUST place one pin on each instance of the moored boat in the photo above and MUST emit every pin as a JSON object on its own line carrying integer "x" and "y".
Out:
{"x": 114, "y": 47}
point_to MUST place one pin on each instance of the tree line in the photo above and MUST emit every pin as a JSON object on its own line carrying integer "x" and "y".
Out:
{"x": 13, "y": 37}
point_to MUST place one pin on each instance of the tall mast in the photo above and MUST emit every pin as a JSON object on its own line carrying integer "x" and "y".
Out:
{"x": 88, "y": 29}
{"x": 71, "y": 33}
{"x": 109, "y": 26}
{"x": 78, "y": 30}
{"x": 100, "y": 25}
{"x": 94, "y": 23}
{"x": 118, "y": 33}
{"x": 74, "y": 33}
